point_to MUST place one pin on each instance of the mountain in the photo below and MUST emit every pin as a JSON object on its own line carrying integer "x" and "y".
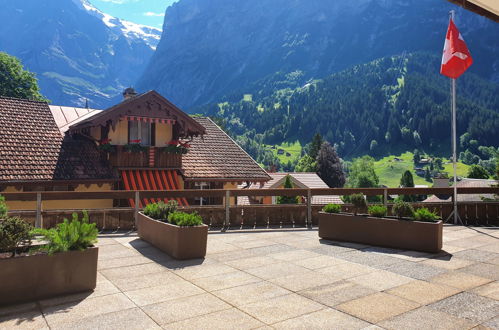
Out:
{"x": 389, "y": 105}
{"x": 77, "y": 52}
{"x": 210, "y": 49}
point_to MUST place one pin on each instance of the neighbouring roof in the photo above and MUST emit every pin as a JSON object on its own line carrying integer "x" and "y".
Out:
{"x": 33, "y": 149}
{"x": 487, "y": 8}
{"x": 150, "y": 104}
{"x": 217, "y": 156}
{"x": 67, "y": 116}
{"x": 467, "y": 183}
{"x": 305, "y": 180}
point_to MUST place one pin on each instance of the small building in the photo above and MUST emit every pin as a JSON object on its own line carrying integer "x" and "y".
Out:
{"x": 466, "y": 183}
{"x": 143, "y": 143}
{"x": 303, "y": 180}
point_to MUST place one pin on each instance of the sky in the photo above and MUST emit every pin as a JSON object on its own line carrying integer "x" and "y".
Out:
{"x": 146, "y": 12}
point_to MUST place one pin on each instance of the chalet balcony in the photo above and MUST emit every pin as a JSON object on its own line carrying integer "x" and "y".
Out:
{"x": 152, "y": 157}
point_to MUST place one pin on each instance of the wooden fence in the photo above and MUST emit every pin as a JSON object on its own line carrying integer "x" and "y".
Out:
{"x": 229, "y": 216}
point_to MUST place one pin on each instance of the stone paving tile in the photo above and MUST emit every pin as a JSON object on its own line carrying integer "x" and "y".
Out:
{"x": 253, "y": 243}
{"x": 130, "y": 319}
{"x": 469, "y": 242}
{"x": 323, "y": 319}
{"x": 278, "y": 269}
{"x": 380, "y": 280}
{"x": 280, "y": 308}
{"x": 423, "y": 292}
{"x": 369, "y": 258}
{"x": 200, "y": 271}
{"x": 468, "y": 306}
{"x": 483, "y": 270}
{"x": 266, "y": 250}
{"x": 146, "y": 280}
{"x": 449, "y": 249}
{"x": 232, "y": 256}
{"x": 25, "y": 320}
{"x": 218, "y": 247}
{"x": 122, "y": 262}
{"x": 294, "y": 255}
{"x": 476, "y": 255}
{"x": 460, "y": 280}
{"x": 337, "y": 293}
{"x": 492, "y": 323}
{"x": 251, "y": 262}
{"x": 331, "y": 250}
{"x": 377, "y": 307}
{"x": 164, "y": 292}
{"x": 318, "y": 262}
{"x": 345, "y": 270}
{"x": 227, "y": 319}
{"x": 185, "y": 308}
{"x": 304, "y": 244}
{"x": 18, "y": 308}
{"x": 61, "y": 314}
{"x": 415, "y": 270}
{"x": 106, "y": 241}
{"x": 245, "y": 294}
{"x": 490, "y": 290}
{"x": 131, "y": 271}
{"x": 302, "y": 281}
{"x": 115, "y": 251}
{"x": 225, "y": 281}
{"x": 493, "y": 247}
{"x": 448, "y": 262}
{"x": 426, "y": 319}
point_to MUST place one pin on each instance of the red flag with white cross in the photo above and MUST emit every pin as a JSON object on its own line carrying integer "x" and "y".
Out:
{"x": 456, "y": 58}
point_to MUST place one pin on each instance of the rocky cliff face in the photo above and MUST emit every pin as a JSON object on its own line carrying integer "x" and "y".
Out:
{"x": 212, "y": 48}
{"x": 76, "y": 51}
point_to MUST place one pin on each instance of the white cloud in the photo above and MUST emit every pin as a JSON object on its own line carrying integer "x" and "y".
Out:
{"x": 150, "y": 13}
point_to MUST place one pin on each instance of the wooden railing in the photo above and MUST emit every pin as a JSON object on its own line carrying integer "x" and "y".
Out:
{"x": 124, "y": 159}
{"x": 247, "y": 216}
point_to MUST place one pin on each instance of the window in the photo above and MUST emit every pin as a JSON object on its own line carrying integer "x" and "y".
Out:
{"x": 141, "y": 132}
{"x": 201, "y": 200}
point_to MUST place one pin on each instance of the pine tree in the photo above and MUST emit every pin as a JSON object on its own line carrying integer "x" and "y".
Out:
{"x": 329, "y": 166}
{"x": 287, "y": 199}
{"x": 315, "y": 146}
{"x": 407, "y": 181}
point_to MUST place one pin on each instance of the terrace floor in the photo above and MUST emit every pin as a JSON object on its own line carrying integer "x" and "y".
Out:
{"x": 282, "y": 279}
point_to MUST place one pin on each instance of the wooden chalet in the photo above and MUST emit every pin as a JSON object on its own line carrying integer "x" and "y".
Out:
{"x": 143, "y": 143}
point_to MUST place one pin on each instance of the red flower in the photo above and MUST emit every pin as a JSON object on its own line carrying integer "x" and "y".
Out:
{"x": 135, "y": 141}
{"x": 105, "y": 141}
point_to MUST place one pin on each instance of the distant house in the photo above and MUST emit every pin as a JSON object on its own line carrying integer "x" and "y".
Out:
{"x": 280, "y": 151}
{"x": 301, "y": 180}
{"x": 143, "y": 143}
{"x": 420, "y": 171}
{"x": 476, "y": 183}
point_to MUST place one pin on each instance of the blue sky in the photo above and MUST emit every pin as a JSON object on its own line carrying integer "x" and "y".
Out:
{"x": 147, "y": 12}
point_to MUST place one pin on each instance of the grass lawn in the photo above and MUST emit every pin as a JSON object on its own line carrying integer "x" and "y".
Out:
{"x": 390, "y": 171}
{"x": 293, "y": 148}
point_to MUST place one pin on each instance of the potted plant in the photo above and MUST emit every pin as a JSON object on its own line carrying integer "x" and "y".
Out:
{"x": 418, "y": 230}
{"x": 181, "y": 235}
{"x": 64, "y": 262}
{"x": 176, "y": 147}
{"x": 106, "y": 146}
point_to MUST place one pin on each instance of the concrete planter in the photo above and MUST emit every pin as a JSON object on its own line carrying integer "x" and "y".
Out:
{"x": 178, "y": 242}
{"x": 389, "y": 232}
{"x": 38, "y": 277}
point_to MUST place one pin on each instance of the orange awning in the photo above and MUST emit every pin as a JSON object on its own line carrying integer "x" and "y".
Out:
{"x": 152, "y": 180}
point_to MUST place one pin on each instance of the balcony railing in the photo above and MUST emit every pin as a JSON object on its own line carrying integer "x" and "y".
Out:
{"x": 152, "y": 158}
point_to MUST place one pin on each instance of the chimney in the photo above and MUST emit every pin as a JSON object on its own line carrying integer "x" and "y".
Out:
{"x": 129, "y": 93}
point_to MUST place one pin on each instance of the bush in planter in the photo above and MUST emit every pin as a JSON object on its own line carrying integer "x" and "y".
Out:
{"x": 185, "y": 219}
{"x": 332, "y": 208}
{"x": 15, "y": 233}
{"x": 69, "y": 236}
{"x": 160, "y": 210}
{"x": 359, "y": 203}
{"x": 403, "y": 209}
{"x": 3, "y": 208}
{"x": 135, "y": 147}
{"x": 378, "y": 211}
{"x": 423, "y": 214}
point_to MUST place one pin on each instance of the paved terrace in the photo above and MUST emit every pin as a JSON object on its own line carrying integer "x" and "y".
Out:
{"x": 282, "y": 279}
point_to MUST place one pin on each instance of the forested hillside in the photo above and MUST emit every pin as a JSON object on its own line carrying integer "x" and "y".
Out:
{"x": 388, "y": 105}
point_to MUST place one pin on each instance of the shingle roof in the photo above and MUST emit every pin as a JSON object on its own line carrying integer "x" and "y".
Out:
{"x": 66, "y": 116}
{"x": 217, "y": 156}
{"x": 33, "y": 149}
{"x": 469, "y": 183}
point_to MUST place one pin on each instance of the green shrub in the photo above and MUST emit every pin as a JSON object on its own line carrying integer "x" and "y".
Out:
{"x": 69, "y": 236}
{"x": 3, "y": 208}
{"x": 160, "y": 210}
{"x": 403, "y": 209}
{"x": 135, "y": 147}
{"x": 378, "y": 211}
{"x": 332, "y": 208}
{"x": 14, "y": 233}
{"x": 185, "y": 219}
{"x": 359, "y": 203}
{"x": 423, "y": 214}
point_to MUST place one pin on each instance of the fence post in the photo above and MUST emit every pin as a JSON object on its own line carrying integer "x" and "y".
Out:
{"x": 227, "y": 210}
{"x": 385, "y": 197}
{"x": 309, "y": 208}
{"x": 38, "y": 220}
{"x": 136, "y": 208}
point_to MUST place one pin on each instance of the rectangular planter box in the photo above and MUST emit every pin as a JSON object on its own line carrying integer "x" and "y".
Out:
{"x": 178, "y": 242}
{"x": 399, "y": 234}
{"x": 38, "y": 277}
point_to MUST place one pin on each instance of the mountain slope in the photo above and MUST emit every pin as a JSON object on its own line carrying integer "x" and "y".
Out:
{"x": 392, "y": 104}
{"x": 212, "y": 48}
{"x": 76, "y": 51}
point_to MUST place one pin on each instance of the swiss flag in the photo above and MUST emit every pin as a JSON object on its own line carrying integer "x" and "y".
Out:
{"x": 456, "y": 58}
